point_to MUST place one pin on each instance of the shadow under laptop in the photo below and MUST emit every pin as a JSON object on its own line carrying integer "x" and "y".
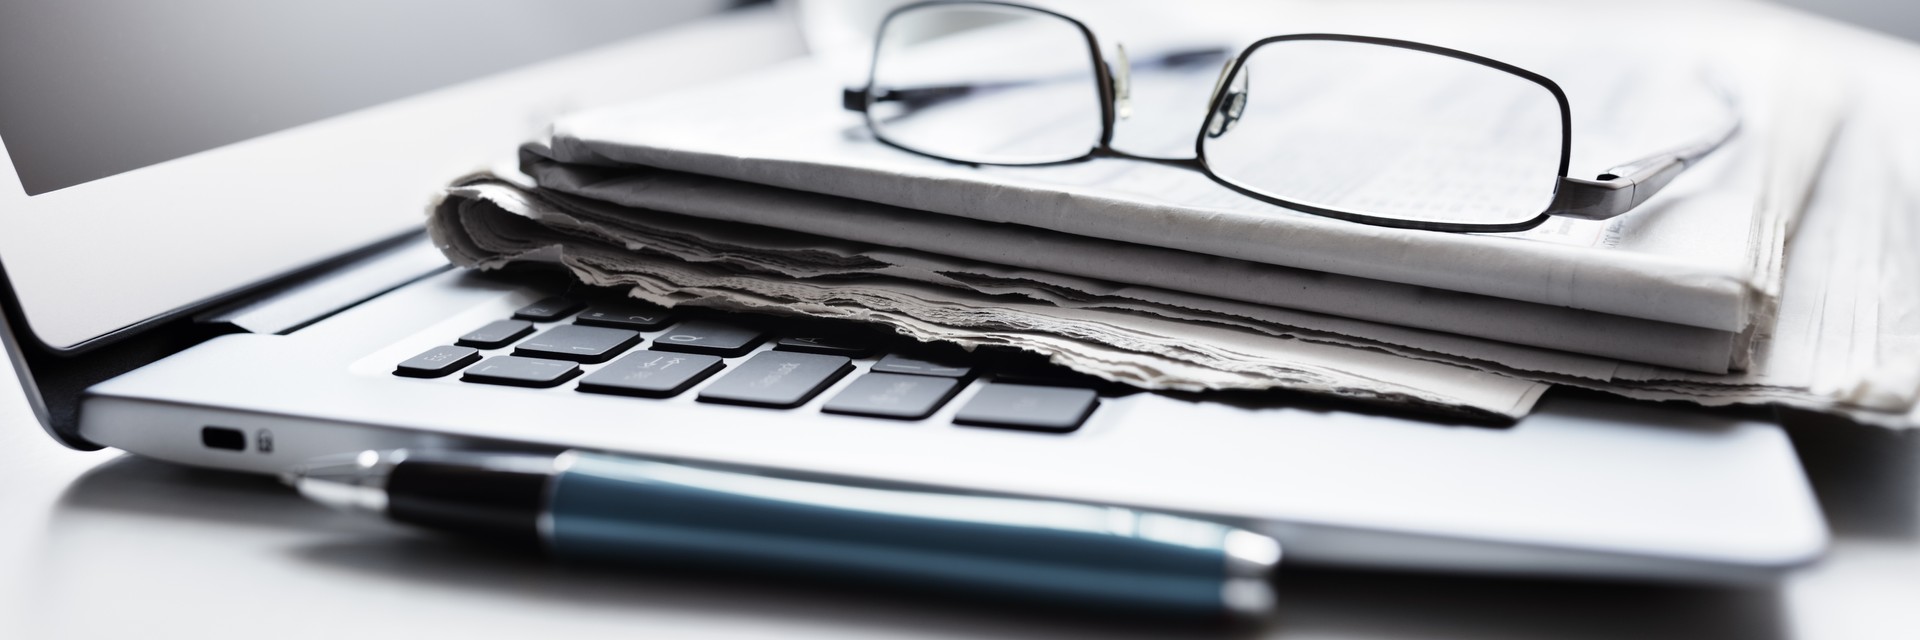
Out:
{"x": 1867, "y": 478}
{"x": 216, "y": 519}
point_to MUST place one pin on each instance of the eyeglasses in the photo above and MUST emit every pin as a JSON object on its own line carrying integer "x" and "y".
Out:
{"x": 1370, "y": 130}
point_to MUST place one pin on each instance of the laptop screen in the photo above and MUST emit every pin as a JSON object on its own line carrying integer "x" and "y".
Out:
{"x": 94, "y": 93}
{"x": 91, "y": 89}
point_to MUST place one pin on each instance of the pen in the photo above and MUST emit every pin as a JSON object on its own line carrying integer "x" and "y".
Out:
{"x": 595, "y": 507}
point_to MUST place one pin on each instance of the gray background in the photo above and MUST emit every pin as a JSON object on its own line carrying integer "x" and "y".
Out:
{"x": 90, "y": 89}
{"x": 1898, "y": 17}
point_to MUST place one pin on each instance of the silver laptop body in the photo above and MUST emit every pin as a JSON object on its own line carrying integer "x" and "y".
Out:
{"x": 239, "y": 298}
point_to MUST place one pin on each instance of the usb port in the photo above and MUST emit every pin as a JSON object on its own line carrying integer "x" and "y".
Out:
{"x": 223, "y": 438}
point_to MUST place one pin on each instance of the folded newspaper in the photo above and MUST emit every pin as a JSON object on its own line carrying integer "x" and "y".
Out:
{"x": 1678, "y": 284}
{"x": 487, "y": 222}
{"x": 1138, "y": 274}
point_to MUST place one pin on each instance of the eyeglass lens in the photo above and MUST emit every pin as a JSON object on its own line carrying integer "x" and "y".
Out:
{"x": 1347, "y": 127}
{"x": 986, "y": 83}
{"x": 1387, "y": 132}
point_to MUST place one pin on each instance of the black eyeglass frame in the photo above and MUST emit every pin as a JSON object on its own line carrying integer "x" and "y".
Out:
{"x": 1611, "y": 194}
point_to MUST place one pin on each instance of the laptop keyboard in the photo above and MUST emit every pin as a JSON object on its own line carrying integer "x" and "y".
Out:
{"x": 554, "y": 342}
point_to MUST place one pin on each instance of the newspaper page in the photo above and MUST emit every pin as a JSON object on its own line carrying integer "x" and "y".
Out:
{"x": 1842, "y": 340}
{"x": 1703, "y": 254}
{"x": 1142, "y": 271}
{"x": 1840, "y": 333}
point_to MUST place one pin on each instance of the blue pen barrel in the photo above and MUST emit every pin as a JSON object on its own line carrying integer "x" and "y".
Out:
{"x": 615, "y": 508}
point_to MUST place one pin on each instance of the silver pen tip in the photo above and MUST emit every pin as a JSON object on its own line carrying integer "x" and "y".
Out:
{"x": 351, "y": 482}
{"x": 1251, "y": 559}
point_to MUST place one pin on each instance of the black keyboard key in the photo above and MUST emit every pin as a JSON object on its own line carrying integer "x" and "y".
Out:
{"x": 577, "y": 343}
{"x": 496, "y": 334}
{"x": 778, "y": 379}
{"x": 894, "y": 395}
{"x": 896, "y": 363}
{"x": 1020, "y": 406}
{"x": 849, "y": 346}
{"x": 709, "y": 337}
{"x": 652, "y": 374}
{"x": 548, "y": 310}
{"x": 1051, "y": 376}
{"x": 637, "y": 317}
{"x": 516, "y": 371}
{"x": 436, "y": 362}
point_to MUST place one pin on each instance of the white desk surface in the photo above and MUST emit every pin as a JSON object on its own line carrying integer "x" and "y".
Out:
{"x": 102, "y": 544}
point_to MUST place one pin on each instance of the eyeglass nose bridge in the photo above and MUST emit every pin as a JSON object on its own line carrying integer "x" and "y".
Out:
{"x": 1231, "y": 106}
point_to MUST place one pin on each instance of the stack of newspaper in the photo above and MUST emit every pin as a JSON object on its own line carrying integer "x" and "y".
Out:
{"x": 1157, "y": 277}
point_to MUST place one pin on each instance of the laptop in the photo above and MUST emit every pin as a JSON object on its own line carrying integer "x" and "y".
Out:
{"x": 210, "y": 254}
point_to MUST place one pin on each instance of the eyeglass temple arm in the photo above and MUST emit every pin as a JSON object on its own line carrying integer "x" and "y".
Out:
{"x": 1625, "y": 187}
